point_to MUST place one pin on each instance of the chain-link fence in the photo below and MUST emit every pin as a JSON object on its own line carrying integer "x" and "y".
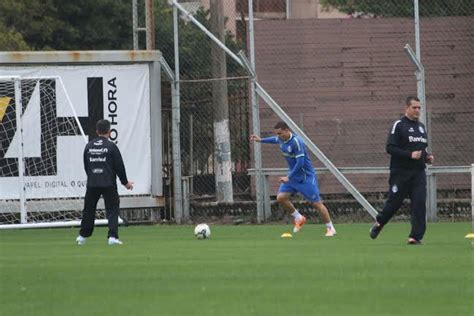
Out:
{"x": 214, "y": 116}
{"x": 340, "y": 71}
{"x": 447, "y": 44}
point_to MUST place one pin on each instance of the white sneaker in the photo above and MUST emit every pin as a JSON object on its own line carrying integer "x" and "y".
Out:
{"x": 330, "y": 232}
{"x": 114, "y": 241}
{"x": 299, "y": 223}
{"x": 80, "y": 240}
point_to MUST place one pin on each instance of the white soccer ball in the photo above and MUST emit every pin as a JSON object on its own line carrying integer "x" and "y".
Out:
{"x": 202, "y": 231}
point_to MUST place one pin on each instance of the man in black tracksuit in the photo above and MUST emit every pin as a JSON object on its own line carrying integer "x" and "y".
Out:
{"x": 102, "y": 163}
{"x": 406, "y": 144}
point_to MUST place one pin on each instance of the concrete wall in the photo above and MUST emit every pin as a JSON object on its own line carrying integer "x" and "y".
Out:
{"x": 344, "y": 82}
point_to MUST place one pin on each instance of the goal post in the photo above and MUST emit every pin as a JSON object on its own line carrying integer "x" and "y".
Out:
{"x": 72, "y": 91}
{"x": 42, "y": 182}
{"x": 471, "y": 234}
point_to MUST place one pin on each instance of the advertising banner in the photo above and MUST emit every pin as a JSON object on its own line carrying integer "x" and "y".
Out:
{"x": 52, "y": 150}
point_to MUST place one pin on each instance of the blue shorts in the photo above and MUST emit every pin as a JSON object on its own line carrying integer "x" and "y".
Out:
{"x": 308, "y": 188}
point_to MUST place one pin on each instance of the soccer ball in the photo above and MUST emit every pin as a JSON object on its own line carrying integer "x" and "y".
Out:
{"x": 202, "y": 231}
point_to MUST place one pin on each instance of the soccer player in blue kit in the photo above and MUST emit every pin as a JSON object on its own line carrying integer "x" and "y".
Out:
{"x": 301, "y": 177}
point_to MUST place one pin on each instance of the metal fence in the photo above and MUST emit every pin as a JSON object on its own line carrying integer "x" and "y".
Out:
{"x": 340, "y": 71}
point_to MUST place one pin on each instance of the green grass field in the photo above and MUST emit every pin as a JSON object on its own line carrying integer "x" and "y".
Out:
{"x": 241, "y": 270}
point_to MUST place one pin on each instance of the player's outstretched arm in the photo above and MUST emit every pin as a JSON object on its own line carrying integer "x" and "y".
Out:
{"x": 255, "y": 138}
{"x": 266, "y": 140}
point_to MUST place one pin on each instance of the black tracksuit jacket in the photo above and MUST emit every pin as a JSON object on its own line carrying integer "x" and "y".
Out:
{"x": 405, "y": 137}
{"x": 103, "y": 163}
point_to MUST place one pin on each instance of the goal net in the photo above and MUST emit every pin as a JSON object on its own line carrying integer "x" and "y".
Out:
{"x": 42, "y": 180}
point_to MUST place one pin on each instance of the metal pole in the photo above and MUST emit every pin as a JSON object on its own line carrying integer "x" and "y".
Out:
{"x": 431, "y": 202}
{"x": 472, "y": 200}
{"x": 191, "y": 143}
{"x": 262, "y": 209}
{"x": 417, "y": 30}
{"x": 287, "y": 9}
{"x": 175, "y": 125}
{"x": 206, "y": 31}
{"x": 186, "y": 185}
{"x": 191, "y": 150}
{"x": 420, "y": 75}
{"x": 315, "y": 150}
{"x": 135, "y": 24}
{"x": 21, "y": 163}
{"x": 150, "y": 25}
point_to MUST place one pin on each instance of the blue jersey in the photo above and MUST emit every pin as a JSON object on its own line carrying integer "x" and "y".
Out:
{"x": 296, "y": 156}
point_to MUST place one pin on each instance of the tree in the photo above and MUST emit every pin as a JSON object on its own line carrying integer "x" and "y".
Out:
{"x": 402, "y": 8}
{"x": 70, "y": 25}
{"x": 11, "y": 40}
{"x": 35, "y": 21}
{"x": 94, "y": 24}
{"x": 107, "y": 24}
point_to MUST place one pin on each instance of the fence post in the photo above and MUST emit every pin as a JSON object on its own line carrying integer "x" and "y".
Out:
{"x": 266, "y": 198}
{"x": 186, "y": 184}
{"x": 472, "y": 199}
{"x": 175, "y": 129}
{"x": 259, "y": 179}
{"x": 431, "y": 201}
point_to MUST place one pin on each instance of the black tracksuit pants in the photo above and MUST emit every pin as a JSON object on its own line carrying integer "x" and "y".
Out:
{"x": 405, "y": 182}
{"x": 112, "y": 204}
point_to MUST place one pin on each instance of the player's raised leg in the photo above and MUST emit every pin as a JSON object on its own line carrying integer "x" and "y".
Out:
{"x": 284, "y": 199}
{"x": 310, "y": 191}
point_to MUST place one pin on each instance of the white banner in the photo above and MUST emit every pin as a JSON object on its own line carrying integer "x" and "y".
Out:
{"x": 119, "y": 93}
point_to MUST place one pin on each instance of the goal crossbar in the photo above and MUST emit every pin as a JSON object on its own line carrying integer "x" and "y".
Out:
{"x": 74, "y": 223}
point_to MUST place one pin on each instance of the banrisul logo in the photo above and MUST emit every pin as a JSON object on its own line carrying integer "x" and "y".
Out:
{"x": 40, "y": 117}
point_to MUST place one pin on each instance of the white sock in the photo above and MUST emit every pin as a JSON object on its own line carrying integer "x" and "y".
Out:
{"x": 330, "y": 225}
{"x": 296, "y": 215}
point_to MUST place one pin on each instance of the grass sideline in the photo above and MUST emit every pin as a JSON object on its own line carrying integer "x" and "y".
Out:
{"x": 241, "y": 270}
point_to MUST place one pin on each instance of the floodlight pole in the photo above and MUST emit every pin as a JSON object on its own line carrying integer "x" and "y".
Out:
{"x": 180, "y": 214}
